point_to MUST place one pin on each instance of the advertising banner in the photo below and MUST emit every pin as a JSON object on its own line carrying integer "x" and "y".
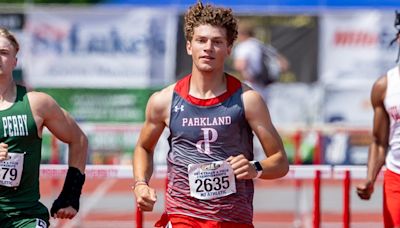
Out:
{"x": 348, "y": 147}
{"x": 12, "y": 21}
{"x": 355, "y": 45}
{"x": 348, "y": 104}
{"x": 102, "y": 105}
{"x": 355, "y": 51}
{"x": 100, "y": 48}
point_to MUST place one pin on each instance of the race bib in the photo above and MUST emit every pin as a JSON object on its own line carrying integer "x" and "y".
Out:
{"x": 211, "y": 180}
{"x": 11, "y": 170}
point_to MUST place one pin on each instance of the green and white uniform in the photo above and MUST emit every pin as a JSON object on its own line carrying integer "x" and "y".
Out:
{"x": 19, "y": 175}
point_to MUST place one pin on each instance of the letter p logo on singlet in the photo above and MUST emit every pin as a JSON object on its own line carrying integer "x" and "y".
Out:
{"x": 210, "y": 135}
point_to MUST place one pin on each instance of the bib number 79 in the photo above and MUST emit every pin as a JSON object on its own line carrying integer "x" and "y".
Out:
{"x": 12, "y": 173}
{"x": 212, "y": 184}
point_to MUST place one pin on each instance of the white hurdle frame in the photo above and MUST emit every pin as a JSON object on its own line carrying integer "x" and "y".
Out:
{"x": 296, "y": 172}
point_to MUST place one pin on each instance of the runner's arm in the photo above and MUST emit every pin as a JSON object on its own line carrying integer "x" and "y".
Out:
{"x": 155, "y": 122}
{"x": 48, "y": 113}
{"x": 151, "y": 131}
{"x": 380, "y": 134}
{"x": 276, "y": 164}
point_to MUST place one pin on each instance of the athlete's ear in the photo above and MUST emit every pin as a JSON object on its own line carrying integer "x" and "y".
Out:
{"x": 189, "y": 47}
{"x": 229, "y": 50}
{"x": 15, "y": 62}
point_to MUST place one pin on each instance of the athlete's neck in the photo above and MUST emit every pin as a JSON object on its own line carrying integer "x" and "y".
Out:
{"x": 206, "y": 86}
{"x": 8, "y": 94}
{"x": 6, "y": 86}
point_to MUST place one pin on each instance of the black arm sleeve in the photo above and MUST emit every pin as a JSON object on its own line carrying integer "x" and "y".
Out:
{"x": 71, "y": 191}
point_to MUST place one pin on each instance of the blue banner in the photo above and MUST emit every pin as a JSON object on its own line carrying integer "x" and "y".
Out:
{"x": 268, "y": 3}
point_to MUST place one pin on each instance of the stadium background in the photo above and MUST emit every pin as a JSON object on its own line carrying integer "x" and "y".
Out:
{"x": 101, "y": 60}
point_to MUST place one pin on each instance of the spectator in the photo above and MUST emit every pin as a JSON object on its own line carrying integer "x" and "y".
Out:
{"x": 259, "y": 64}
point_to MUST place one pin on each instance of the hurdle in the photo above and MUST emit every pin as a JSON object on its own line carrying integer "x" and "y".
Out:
{"x": 315, "y": 173}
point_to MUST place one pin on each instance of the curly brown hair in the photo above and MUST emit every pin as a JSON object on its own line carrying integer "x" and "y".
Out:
{"x": 199, "y": 14}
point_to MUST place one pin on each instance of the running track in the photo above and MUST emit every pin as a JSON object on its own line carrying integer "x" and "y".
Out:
{"x": 110, "y": 203}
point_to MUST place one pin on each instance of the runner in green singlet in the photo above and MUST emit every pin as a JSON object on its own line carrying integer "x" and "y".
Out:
{"x": 23, "y": 115}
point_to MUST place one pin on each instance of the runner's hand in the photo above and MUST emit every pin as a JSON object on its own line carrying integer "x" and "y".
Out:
{"x": 3, "y": 152}
{"x": 242, "y": 167}
{"x": 145, "y": 197}
{"x": 65, "y": 213}
{"x": 365, "y": 190}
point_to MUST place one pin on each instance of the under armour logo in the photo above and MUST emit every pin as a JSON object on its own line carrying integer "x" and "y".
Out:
{"x": 176, "y": 108}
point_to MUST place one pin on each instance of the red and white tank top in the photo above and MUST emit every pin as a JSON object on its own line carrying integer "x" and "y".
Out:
{"x": 392, "y": 105}
{"x": 203, "y": 134}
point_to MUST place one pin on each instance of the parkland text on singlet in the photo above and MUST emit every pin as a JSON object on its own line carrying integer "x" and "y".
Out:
{"x": 206, "y": 121}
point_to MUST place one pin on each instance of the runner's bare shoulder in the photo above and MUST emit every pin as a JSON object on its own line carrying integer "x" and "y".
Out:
{"x": 160, "y": 102}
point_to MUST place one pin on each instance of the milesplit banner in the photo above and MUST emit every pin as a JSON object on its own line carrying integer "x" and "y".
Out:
{"x": 100, "y": 48}
{"x": 355, "y": 45}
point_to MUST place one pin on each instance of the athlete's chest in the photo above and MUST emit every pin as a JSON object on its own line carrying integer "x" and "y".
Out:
{"x": 14, "y": 125}
{"x": 188, "y": 116}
